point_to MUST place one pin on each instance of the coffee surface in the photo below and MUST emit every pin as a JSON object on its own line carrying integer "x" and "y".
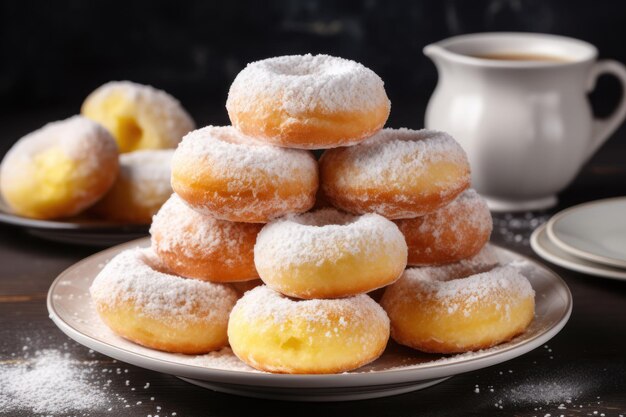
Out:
{"x": 515, "y": 56}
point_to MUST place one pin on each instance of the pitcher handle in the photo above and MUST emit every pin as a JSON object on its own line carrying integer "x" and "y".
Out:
{"x": 603, "y": 128}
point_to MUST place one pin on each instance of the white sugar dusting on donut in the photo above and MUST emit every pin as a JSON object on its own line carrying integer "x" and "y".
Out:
{"x": 264, "y": 302}
{"x": 180, "y": 228}
{"x": 167, "y": 108}
{"x": 79, "y": 138}
{"x": 149, "y": 172}
{"x": 472, "y": 203}
{"x": 130, "y": 278}
{"x": 241, "y": 157}
{"x": 392, "y": 155}
{"x": 242, "y": 161}
{"x": 147, "y": 165}
{"x": 465, "y": 284}
{"x": 476, "y": 216}
{"x": 321, "y": 236}
{"x": 308, "y": 83}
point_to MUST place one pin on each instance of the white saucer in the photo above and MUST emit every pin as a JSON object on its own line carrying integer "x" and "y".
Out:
{"x": 397, "y": 371}
{"x": 500, "y": 205}
{"x": 595, "y": 231}
{"x": 548, "y": 250}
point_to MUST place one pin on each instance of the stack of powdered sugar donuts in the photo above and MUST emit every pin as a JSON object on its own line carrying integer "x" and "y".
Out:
{"x": 243, "y": 209}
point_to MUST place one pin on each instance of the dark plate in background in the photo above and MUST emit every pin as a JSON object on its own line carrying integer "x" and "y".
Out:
{"x": 80, "y": 230}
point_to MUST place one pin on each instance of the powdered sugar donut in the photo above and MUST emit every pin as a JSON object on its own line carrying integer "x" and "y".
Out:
{"x": 197, "y": 245}
{"x": 159, "y": 310}
{"x": 329, "y": 254}
{"x": 308, "y": 101}
{"x": 225, "y": 174}
{"x": 138, "y": 116}
{"x": 449, "y": 234}
{"x": 459, "y": 307}
{"x": 274, "y": 333}
{"x": 398, "y": 173}
{"x": 141, "y": 188}
{"x": 60, "y": 169}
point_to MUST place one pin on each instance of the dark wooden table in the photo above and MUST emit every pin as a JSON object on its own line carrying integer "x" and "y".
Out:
{"x": 586, "y": 361}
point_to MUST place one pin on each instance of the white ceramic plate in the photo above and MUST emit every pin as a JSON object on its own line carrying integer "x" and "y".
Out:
{"x": 76, "y": 230}
{"x": 595, "y": 231}
{"x": 548, "y": 250}
{"x": 397, "y": 371}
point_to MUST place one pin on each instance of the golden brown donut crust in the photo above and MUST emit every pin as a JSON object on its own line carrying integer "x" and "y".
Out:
{"x": 316, "y": 130}
{"x": 273, "y": 333}
{"x": 196, "y": 245}
{"x": 140, "y": 301}
{"x": 449, "y": 234}
{"x": 458, "y": 307}
{"x": 308, "y": 101}
{"x": 397, "y": 173}
{"x": 223, "y": 173}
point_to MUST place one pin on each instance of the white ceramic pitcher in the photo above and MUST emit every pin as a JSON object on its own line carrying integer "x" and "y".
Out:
{"x": 526, "y": 125}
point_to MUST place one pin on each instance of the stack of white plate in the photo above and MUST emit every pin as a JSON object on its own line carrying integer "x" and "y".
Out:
{"x": 588, "y": 238}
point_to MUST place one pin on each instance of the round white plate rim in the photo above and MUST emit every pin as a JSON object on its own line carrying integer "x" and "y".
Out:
{"x": 376, "y": 392}
{"x": 589, "y": 267}
{"x": 567, "y": 247}
{"x": 425, "y": 372}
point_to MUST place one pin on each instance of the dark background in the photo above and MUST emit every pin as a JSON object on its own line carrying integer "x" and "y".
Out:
{"x": 54, "y": 53}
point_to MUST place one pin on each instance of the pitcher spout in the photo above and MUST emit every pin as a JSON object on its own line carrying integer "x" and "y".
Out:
{"x": 434, "y": 51}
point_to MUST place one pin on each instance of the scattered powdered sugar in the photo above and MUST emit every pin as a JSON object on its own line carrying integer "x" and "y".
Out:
{"x": 223, "y": 359}
{"x": 263, "y": 302}
{"x": 177, "y": 228}
{"x": 442, "y": 359}
{"x": 130, "y": 278}
{"x": 50, "y": 382}
{"x": 77, "y": 138}
{"x": 303, "y": 84}
{"x": 543, "y": 392}
{"x": 394, "y": 157}
{"x": 151, "y": 106}
{"x": 564, "y": 392}
{"x": 325, "y": 235}
{"x": 64, "y": 379}
{"x": 516, "y": 228}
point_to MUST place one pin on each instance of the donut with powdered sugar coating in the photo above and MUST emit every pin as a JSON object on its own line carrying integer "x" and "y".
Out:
{"x": 397, "y": 173}
{"x": 329, "y": 254}
{"x": 274, "y": 333}
{"x": 140, "y": 301}
{"x": 470, "y": 305}
{"x": 197, "y": 245}
{"x": 308, "y": 101}
{"x": 223, "y": 173}
{"x": 452, "y": 233}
